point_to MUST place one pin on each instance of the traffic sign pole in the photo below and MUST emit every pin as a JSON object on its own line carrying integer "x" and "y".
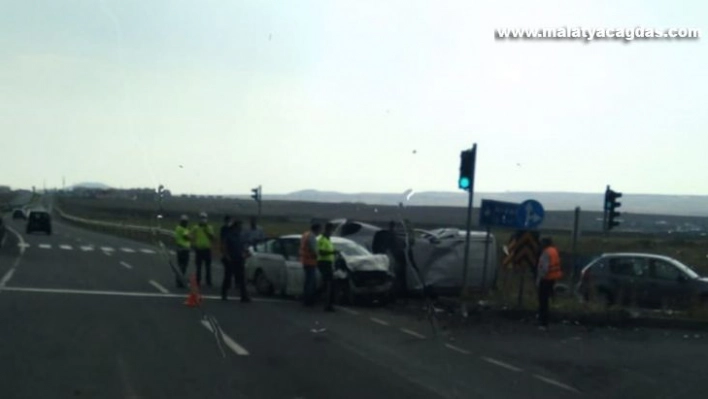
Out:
{"x": 486, "y": 259}
{"x": 466, "y": 260}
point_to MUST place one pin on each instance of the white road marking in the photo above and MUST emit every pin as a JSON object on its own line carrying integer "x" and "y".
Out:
{"x": 159, "y": 287}
{"x": 66, "y": 247}
{"x": 126, "y": 265}
{"x": 7, "y": 277}
{"x": 347, "y": 310}
{"x": 86, "y": 248}
{"x": 457, "y": 349}
{"x": 107, "y": 249}
{"x": 128, "y": 250}
{"x": 413, "y": 333}
{"x": 379, "y": 321}
{"x": 147, "y": 251}
{"x": 501, "y": 364}
{"x": 556, "y": 383}
{"x": 23, "y": 246}
{"x": 45, "y": 246}
{"x": 128, "y": 293}
{"x": 233, "y": 345}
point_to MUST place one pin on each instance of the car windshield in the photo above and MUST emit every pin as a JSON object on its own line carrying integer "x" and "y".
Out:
{"x": 350, "y": 249}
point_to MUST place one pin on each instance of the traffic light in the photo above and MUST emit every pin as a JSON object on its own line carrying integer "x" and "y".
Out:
{"x": 256, "y": 194}
{"x": 611, "y": 205}
{"x": 467, "y": 161}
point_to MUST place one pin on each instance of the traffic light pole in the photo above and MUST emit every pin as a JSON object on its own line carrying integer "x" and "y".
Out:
{"x": 468, "y": 227}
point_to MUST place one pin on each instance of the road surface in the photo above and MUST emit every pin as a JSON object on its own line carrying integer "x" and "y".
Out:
{"x": 95, "y": 316}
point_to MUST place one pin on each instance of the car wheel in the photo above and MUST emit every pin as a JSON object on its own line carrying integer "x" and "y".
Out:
{"x": 263, "y": 286}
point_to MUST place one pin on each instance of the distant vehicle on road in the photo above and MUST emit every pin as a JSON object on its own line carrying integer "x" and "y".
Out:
{"x": 274, "y": 267}
{"x": 19, "y": 214}
{"x": 639, "y": 279}
{"x": 39, "y": 220}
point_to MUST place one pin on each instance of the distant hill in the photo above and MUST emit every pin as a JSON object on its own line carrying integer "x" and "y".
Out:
{"x": 92, "y": 185}
{"x": 695, "y": 205}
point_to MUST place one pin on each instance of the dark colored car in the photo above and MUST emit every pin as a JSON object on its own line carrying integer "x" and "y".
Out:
{"x": 39, "y": 221}
{"x": 19, "y": 214}
{"x": 644, "y": 280}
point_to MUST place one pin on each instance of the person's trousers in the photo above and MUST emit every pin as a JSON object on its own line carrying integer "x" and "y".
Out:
{"x": 545, "y": 291}
{"x": 236, "y": 271}
{"x": 203, "y": 257}
{"x": 182, "y": 263}
{"x": 310, "y": 286}
{"x": 326, "y": 269}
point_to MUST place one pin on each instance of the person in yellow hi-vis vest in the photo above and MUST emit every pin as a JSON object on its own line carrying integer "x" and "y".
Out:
{"x": 203, "y": 238}
{"x": 183, "y": 242}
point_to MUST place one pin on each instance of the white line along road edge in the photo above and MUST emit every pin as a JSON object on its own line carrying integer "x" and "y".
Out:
{"x": 238, "y": 349}
{"x": 22, "y": 245}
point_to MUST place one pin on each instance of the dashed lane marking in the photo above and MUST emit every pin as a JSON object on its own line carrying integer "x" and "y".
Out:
{"x": 379, "y": 321}
{"x": 501, "y": 364}
{"x": 126, "y": 265}
{"x": 413, "y": 333}
{"x": 159, "y": 287}
{"x": 457, "y": 349}
{"x": 87, "y": 248}
{"x": 233, "y": 345}
{"x": 128, "y": 250}
{"x": 556, "y": 383}
{"x": 45, "y": 246}
{"x": 147, "y": 251}
{"x": 66, "y": 247}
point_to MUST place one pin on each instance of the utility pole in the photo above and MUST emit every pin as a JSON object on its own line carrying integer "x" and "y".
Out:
{"x": 574, "y": 246}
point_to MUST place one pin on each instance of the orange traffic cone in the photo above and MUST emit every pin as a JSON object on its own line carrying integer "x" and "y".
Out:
{"x": 194, "y": 298}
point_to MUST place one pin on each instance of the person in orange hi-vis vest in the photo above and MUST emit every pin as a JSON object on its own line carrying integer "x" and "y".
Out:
{"x": 549, "y": 271}
{"x": 308, "y": 258}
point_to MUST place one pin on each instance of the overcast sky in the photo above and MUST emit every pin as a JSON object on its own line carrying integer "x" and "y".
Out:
{"x": 337, "y": 95}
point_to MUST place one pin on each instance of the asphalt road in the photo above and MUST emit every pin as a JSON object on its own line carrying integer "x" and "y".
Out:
{"x": 90, "y": 315}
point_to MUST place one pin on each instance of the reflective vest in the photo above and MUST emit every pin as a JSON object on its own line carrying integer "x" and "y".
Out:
{"x": 554, "y": 264}
{"x": 324, "y": 244}
{"x": 182, "y": 237}
{"x": 202, "y": 236}
{"x": 307, "y": 257}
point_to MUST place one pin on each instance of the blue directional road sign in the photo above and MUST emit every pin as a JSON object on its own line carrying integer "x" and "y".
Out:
{"x": 530, "y": 214}
{"x": 498, "y": 213}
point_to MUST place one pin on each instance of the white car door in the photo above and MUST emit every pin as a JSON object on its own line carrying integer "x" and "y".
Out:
{"x": 268, "y": 259}
{"x": 294, "y": 274}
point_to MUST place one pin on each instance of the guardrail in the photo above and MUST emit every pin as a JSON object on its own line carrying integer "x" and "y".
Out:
{"x": 117, "y": 226}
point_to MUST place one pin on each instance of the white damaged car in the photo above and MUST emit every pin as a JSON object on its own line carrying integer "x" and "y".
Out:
{"x": 274, "y": 268}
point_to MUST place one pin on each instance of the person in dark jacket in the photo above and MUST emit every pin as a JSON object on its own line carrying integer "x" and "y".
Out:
{"x": 235, "y": 266}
